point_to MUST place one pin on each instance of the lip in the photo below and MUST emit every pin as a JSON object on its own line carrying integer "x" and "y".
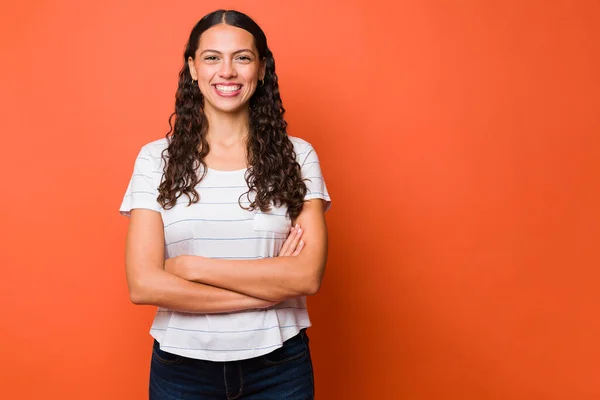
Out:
{"x": 232, "y": 94}
{"x": 227, "y": 84}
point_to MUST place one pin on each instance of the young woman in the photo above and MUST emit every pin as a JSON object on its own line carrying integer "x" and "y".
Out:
{"x": 227, "y": 232}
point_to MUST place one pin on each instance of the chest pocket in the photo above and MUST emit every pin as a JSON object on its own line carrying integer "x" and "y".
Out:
{"x": 275, "y": 220}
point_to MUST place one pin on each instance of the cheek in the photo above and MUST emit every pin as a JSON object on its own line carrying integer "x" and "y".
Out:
{"x": 249, "y": 72}
{"x": 205, "y": 72}
{"x": 205, "y": 78}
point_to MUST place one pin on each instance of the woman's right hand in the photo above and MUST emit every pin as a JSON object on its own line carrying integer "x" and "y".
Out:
{"x": 293, "y": 244}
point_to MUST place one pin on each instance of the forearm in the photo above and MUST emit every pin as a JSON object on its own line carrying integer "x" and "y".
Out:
{"x": 273, "y": 279}
{"x": 163, "y": 289}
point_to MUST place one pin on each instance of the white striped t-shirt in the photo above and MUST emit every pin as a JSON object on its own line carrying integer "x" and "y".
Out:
{"x": 217, "y": 227}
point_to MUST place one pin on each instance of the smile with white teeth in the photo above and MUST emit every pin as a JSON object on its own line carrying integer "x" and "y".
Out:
{"x": 228, "y": 89}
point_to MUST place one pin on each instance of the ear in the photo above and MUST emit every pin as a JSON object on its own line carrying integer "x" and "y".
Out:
{"x": 192, "y": 68}
{"x": 263, "y": 69}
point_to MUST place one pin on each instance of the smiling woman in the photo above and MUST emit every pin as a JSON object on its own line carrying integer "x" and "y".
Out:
{"x": 227, "y": 233}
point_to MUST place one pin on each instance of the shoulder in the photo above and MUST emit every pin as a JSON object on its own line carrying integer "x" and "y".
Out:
{"x": 149, "y": 157}
{"x": 301, "y": 147}
{"x": 155, "y": 148}
{"x": 299, "y": 143}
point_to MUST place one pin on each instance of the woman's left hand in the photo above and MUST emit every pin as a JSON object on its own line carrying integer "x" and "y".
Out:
{"x": 293, "y": 244}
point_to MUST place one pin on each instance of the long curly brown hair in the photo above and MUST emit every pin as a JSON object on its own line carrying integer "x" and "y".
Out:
{"x": 273, "y": 173}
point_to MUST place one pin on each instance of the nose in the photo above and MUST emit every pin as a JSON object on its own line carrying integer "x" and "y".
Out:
{"x": 227, "y": 70}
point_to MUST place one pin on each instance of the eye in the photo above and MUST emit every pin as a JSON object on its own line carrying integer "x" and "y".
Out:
{"x": 210, "y": 58}
{"x": 244, "y": 58}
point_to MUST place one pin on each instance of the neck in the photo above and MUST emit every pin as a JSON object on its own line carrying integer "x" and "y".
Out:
{"x": 227, "y": 129}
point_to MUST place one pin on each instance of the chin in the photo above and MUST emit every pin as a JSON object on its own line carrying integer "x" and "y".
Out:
{"x": 228, "y": 108}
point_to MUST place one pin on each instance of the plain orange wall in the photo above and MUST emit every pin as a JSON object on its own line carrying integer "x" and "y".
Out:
{"x": 460, "y": 143}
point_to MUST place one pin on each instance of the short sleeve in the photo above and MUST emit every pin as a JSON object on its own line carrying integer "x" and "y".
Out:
{"x": 313, "y": 176}
{"x": 142, "y": 190}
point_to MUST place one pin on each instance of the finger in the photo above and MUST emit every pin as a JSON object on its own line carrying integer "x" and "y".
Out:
{"x": 292, "y": 241}
{"x": 299, "y": 248}
{"x": 288, "y": 241}
{"x": 295, "y": 240}
{"x": 287, "y": 244}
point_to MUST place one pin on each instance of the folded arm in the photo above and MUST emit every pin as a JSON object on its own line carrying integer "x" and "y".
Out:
{"x": 150, "y": 284}
{"x": 272, "y": 279}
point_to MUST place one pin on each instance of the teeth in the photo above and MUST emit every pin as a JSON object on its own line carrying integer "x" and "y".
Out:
{"x": 228, "y": 88}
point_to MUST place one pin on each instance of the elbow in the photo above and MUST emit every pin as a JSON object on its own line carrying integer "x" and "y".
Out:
{"x": 312, "y": 285}
{"x": 306, "y": 286}
{"x": 136, "y": 296}
{"x": 313, "y": 289}
{"x": 311, "y": 281}
{"x": 144, "y": 285}
{"x": 138, "y": 293}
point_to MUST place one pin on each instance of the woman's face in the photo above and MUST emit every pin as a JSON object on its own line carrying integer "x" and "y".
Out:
{"x": 227, "y": 67}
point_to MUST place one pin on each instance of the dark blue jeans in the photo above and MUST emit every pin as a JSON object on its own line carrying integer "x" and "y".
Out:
{"x": 284, "y": 374}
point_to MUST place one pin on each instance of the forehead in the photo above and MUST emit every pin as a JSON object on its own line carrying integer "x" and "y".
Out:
{"x": 226, "y": 39}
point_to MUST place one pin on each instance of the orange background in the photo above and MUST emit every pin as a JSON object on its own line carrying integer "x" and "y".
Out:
{"x": 460, "y": 143}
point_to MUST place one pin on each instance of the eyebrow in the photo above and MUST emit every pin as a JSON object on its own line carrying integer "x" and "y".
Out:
{"x": 235, "y": 52}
